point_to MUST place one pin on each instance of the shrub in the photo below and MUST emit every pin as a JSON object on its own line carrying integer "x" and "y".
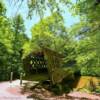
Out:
{"x": 59, "y": 89}
{"x": 97, "y": 90}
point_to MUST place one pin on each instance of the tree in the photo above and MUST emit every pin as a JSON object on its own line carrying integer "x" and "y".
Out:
{"x": 47, "y": 33}
{"x": 18, "y": 24}
{"x": 86, "y": 34}
{"x": 6, "y": 37}
{"x": 2, "y": 9}
{"x": 40, "y": 6}
{"x": 12, "y": 39}
{"x": 19, "y": 39}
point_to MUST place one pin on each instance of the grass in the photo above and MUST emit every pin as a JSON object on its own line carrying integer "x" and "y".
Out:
{"x": 36, "y": 77}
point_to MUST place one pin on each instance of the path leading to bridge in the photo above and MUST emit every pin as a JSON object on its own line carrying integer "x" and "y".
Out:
{"x": 12, "y": 91}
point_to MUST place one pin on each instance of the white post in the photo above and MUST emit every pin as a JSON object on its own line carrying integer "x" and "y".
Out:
{"x": 11, "y": 77}
{"x": 21, "y": 78}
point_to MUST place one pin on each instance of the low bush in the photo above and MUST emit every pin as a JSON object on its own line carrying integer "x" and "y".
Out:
{"x": 59, "y": 89}
{"x": 97, "y": 90}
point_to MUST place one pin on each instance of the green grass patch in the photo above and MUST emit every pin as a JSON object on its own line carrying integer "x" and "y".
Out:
{"x": 36, "y": 77}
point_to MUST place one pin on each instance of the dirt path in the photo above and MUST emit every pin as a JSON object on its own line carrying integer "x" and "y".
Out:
{"x": 85, "y": 96}
{"x": 12, "y": 91}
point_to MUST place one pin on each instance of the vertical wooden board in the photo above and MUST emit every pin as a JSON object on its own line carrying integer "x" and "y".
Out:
{"x": 53, "y": 59}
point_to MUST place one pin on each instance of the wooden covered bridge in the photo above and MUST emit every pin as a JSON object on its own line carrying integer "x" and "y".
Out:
{"x": 46, "y": 60}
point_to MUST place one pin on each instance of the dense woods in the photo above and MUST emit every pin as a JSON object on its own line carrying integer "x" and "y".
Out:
{"x": 79, "y": 44}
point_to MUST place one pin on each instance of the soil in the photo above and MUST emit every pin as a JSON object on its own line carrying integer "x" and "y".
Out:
{"x": 13, "y": 91}
{"x": 43, "y": 94}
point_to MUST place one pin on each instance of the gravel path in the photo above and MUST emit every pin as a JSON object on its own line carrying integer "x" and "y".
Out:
{"x": 86, "y": 96}
{"x": 12, "y": 91}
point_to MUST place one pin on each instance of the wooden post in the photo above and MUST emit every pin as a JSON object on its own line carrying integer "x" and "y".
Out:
{"x": 21, "y": 78}
{"x": 11, "y": 77}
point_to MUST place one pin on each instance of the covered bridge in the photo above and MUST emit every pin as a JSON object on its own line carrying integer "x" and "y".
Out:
{"x": 46, "y": 60}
